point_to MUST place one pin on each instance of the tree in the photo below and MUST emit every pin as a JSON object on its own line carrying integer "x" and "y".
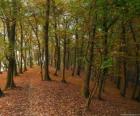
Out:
{"x": 21, "y": 47}
{"x": 57, "y": 38}
{"x": 92, "y": 33}
{"x": 11, "y": 29}
{"x": 64, "y": 49}
{"x": 46, "y": 40}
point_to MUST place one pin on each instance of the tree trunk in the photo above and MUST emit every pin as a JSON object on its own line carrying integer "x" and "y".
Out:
{"x": 92, "y": 33}
{"x": 46, "y": 40}
{"x": 79, "y": 62}
{"x": 136, "y": 62}
{"x": 30, "y": 55}
{"x": 90, "y": 62}
{"x": 35, "y": 30}
{"x": 21, "y": 48}
{"x": 124, "y": 70}
{"x": 74, "y": 64}
{"x": 17, "y": 62}
{"x": 105, "y": 57}
{"x": 118, "y": 77}
{"x": 15, "y": 68}
{"x": 118, "y": 82}
{"x": 25, "y": 59}
{"x": 75, "y": 50}
{"x": 68, "y": 54}
{"x": 11, "y": 29}
{"x": 58, "y": 57}
{"x": 57, "y": 51}
{"x": 11, "y": 65}
{"x": 64, "y": 57}
{"x": 0, "y": 67}
{"x": 4, "y": 31}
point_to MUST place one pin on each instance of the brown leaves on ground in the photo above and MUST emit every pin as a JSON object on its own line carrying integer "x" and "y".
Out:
{"x": 34, "y": 97}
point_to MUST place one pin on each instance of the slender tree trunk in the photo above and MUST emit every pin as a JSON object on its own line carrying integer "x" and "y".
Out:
{"x": 57, "y": 50}
{"x": 68, "y": 54}
{"x": 79, "y": 62}
{"x": 46, "y": 39}
{"x": 25, "y": 59}
{"x": 30, "y": 55}
{"x": 118, "y": 78}
{"x": 57, "y": 40}
{"x": 105, "y": 56}
{"x": 35, "y": 30}
{"x": 0, "y": 67}
{"x": 118, "y": 82}
{"x": 137, "y": 80}
{"x": 90, "y": 63}
{"x": 76, "y": 50}
{"x": 136, "y": 62}
{"x": 17, "y": 62}
{"x": 40, "y": 61}
{"x": 92, "y": 33}
{"x": 124, "y": 70}
{"x": 64, "y": 57}
{"x": 4, "y": 31}
{"x": 21, "y": 48}
{"x": 74, "y": 65}
{"x": 78, "y": 68}
{"x": 40, "y": 54}
{"x": 58, "y": 57}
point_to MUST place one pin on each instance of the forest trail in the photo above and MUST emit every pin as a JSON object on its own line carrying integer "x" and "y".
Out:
{"x": 34, "y": 97}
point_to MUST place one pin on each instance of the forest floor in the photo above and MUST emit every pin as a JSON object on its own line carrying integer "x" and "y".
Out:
{"x": 34, "y": 97}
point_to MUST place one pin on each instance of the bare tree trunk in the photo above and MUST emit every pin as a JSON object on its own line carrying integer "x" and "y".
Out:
{"x": 79, "y": 62}
{"x": 136, "y": 62}
{"x": 46, "y": 39}
{"x": 57, "y": 48}
{"x": 30, "y": 55}
{"x": 58, "y": 55}
{"x": 90, "y": 63}
{"x": 75, "y": 53}
{"x": 21, "y": 48}
{"x": 11, "y": 29}
{"x": 25, "y": 59}
{"x": 105, "y": 71}
{"x": 76, "y": 49}
{"x": 92, "y": 33}
{"x": 105, "y": 52}
{"x": 123, "y": 49}
{"x": 68, "y": 54}
{"x": 35, "y": 30}
{"x": 0, "y": 67}
{"x": 64, "y": 57}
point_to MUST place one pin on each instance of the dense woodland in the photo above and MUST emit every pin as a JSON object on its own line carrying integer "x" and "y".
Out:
{"x": 97, "y": 41}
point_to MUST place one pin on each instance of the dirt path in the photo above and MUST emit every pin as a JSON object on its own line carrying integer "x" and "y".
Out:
{"x": 34, "y": 97}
